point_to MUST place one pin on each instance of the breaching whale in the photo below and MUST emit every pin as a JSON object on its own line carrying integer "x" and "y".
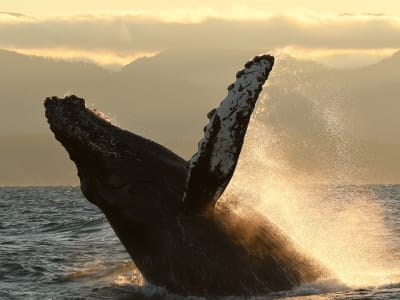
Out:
{"x": 164, "y": 209}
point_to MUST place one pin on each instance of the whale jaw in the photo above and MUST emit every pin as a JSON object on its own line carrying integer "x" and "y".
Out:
{"x": 110, "y": 159}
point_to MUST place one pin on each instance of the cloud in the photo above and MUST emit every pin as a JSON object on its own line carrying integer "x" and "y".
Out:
{"x": 126, "y": 34}
{"x": 13, "y": 14}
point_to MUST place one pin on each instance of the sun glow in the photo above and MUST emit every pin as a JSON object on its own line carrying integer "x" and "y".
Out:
{"x": 117, "y": 37}
{"x": 112, "y": 60}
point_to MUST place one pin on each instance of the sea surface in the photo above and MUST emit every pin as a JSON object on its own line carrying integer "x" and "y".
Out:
{"x": 54, "y": 244}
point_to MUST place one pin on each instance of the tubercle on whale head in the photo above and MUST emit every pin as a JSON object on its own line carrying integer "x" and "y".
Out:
{"x": 72, "y": 123}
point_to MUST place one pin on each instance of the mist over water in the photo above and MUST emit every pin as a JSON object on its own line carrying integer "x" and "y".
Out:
{"x": 344, "y": 225}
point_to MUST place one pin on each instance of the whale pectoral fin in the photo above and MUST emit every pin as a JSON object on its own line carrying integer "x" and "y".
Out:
{"x": 212, "y": 167}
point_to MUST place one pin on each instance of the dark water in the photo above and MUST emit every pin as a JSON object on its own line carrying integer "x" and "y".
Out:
{"x": 56, "y": 245}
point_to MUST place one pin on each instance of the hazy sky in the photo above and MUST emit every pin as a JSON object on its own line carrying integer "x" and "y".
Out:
{"x": 49, "y": 7}
{"x": 116, "y": 32}
{"x": 113, "y": 33}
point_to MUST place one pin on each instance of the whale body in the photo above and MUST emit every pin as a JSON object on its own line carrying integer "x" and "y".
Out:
{"x": 164, "y": 209}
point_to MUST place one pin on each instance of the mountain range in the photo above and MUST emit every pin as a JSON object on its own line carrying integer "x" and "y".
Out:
{"x": 324, "y": 121}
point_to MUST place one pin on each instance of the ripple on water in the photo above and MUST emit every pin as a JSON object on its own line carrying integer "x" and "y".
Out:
{"x": 55, "y": 244}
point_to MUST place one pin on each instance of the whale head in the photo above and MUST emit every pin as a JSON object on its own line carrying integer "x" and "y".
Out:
{"x": 118, "y": 170}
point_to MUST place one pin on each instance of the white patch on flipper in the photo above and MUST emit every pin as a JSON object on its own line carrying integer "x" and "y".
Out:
{"x": 228, "y": 111}
{"x": 223, "y": 137}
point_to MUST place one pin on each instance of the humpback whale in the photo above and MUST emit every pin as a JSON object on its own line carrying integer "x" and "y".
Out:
{"x": 165, "y": 209}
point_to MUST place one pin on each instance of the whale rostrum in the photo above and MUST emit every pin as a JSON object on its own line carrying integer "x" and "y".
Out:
{"x": 164, "y": 209}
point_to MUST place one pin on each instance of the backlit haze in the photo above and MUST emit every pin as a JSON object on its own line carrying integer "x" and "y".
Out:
{"x": 114, "y": 33}
{"x": 330, "y": 107}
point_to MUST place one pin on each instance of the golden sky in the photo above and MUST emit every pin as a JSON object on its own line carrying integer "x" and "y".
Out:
{"x": 61, "y": 7}
{"x": 116, "y": 32}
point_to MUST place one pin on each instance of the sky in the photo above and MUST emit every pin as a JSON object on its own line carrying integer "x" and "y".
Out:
{"x": 222, "y": 35}
{"x": 61, "y": 7}
{"x": 113, "y": 33}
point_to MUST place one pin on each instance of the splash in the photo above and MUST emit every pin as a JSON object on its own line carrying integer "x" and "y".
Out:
{"x": 133, "y": 277}
{"x": 341, "y": 225}
{"x": 298, "y": 167}
{"x": 122, "y": 273}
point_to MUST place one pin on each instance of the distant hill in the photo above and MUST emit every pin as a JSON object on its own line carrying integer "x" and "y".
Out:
{"x": 316, "y": 112}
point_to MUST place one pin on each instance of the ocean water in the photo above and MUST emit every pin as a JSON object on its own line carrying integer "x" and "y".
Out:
{"x": 54, "y": 244}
